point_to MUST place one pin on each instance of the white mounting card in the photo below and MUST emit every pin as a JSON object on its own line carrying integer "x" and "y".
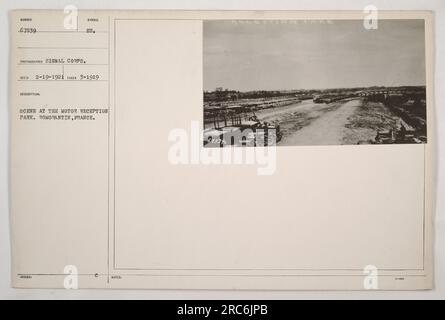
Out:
{"x": 288, "y": 150}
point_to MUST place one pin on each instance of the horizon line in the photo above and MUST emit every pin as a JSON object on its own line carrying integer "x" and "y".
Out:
{"x": 330, "y": 88}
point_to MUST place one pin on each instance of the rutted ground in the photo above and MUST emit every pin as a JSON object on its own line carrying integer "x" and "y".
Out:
{"x": 367, "y": 120}
{"x": 343, "y": 122}
{"x": 295, "y": 117}
{"x": 349, "y": 121}
{"x": 329, "y": 128}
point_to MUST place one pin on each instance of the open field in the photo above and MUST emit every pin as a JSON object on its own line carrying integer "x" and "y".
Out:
{"x": 348, "y": 117}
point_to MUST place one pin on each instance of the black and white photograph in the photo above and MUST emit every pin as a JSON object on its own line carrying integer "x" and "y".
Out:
{"x": 314, "y": 82}
{"x": 195, "y": 152}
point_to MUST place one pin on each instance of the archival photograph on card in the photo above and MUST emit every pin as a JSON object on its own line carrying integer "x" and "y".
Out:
{"x": 314, "y": 82}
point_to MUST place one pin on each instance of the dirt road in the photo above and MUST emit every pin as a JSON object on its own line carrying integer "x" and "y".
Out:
{"x": 327, "y": 129}
{"x": 350, "y": 121}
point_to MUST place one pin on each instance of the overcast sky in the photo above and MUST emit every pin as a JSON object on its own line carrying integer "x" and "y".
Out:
{"x": 342, "y": 53}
